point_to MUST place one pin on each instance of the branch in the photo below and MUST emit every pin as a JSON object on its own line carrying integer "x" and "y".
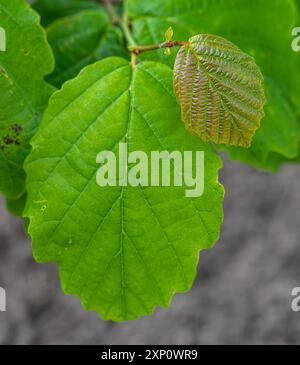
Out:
{"x": 140, "y": 49}
{"x": 117, "y": 20}
{"x": 134, "y": 49}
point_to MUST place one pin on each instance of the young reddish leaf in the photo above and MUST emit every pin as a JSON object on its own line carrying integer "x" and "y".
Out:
{"x": 220, "y": 89}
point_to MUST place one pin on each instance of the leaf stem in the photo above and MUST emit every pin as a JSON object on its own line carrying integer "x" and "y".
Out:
{"x": 134, "y": 49}
{"x": 124, "y": 25}
{"x": 133, "y": 60}
{"x": 115, "y": 19}
{"x": 122, "y": 22}
{"x": 140, "y": 49}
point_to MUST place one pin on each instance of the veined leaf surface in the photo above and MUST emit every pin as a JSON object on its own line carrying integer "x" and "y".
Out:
{"x": 282, "y": 134}
{"x": 220, "y": 90}
{"x": 268, "y": 39}
{"x": 24, "y": 93}
{"x": 80, "y": 40}
{"x": 122, "y": 250}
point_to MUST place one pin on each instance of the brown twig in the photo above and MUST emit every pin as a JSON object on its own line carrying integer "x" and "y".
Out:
{"x": 140, "y": 49}
{"x": 134, "y": 49}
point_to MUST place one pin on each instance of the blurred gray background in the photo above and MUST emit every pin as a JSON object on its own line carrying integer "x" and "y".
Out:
{"x": 242, "y": 294}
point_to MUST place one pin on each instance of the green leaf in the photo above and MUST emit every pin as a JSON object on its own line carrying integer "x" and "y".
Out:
{"x": 220, "y": 90}
{"x": 282, "y": 128}
{"x": 80, "y": 40}
{"x": 112, "y": 44}
{"x": 122, "y": 250}
{"x": 169, "y": 34}
{"x": 24, "y": 94}
{"x": 16, "y": 206}
{"x": 268, "y": 39}
{"x": 51, "y": 10}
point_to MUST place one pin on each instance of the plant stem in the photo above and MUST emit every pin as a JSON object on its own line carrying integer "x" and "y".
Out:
{"x": 140, "y": 49}
{"x": 133, "y": 60}
{"x": 134, "y": 49}
{"x": 116, "y": 19}
{"x": 124, "y": 25}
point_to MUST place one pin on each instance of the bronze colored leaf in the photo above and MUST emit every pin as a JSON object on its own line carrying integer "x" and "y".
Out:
{"x": 220, "y": 89}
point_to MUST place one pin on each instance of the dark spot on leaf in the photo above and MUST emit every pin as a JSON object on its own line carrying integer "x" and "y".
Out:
{"x": 8, "y": 140}
{"x": 11, "y": 137}
{"x": 16, "y": 128}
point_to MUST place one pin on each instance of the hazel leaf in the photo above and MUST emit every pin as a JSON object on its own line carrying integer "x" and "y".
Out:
{"x": 82, "y": 39}
{"x": 138, "y": 245}
{"x": 220, "y": 89}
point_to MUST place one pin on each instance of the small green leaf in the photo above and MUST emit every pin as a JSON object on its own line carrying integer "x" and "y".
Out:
{"x": 122, "y": 250}
{"x": 80, "y": 40}
{"x": 220, "y": 90}
{"x": 169, "y": 34}
{"x": 168, "y": 51}
{"x": 24, "y": 93}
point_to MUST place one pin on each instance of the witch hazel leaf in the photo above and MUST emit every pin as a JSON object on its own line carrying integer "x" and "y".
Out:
{"x": 282, "y": 127}
{"x": 138, "y": 244}
{"x": 220, "y": 90}
{"x": 75, "y": 41}
{"x": 80, "y": 40}
{"x": 112, "y": 44}
{"x": 24, "y": 93}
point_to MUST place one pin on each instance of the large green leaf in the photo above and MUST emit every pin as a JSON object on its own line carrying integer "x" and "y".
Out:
{"x": 24, "y": 94}
{"x": 260, "y": 28}
{"x": 122, "y": 250}
{"x": 80, "y": 40}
